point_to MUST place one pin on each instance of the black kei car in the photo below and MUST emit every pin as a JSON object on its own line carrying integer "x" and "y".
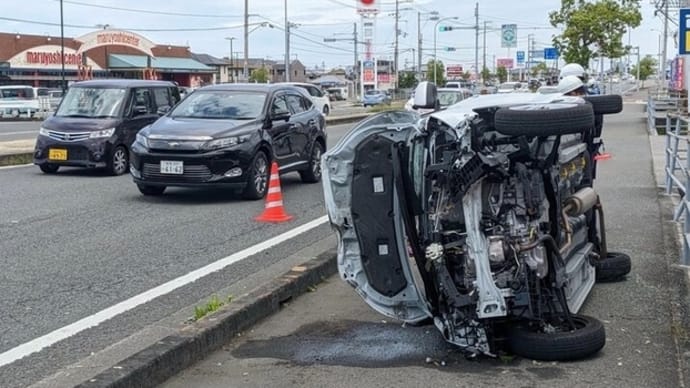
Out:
{"x": 98, "y": 120}
{"x": 227, "y": 136}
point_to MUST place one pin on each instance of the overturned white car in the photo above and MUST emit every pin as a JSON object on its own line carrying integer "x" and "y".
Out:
{"x": 481, "y": 217}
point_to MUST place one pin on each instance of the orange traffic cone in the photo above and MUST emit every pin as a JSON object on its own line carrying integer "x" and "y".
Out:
{"x": 274, "y": 211}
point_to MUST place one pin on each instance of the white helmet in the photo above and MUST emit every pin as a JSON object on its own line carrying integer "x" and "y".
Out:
{"x": 568, "y": 84}
{"x": 573, "y": 69}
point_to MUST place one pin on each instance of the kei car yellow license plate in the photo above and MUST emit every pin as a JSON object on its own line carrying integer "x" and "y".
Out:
{"x": 57, "y": 154}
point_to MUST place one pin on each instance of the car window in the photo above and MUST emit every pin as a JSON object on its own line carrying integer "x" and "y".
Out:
{"x": 162, "y": 97}
{"x": 307, "y": 103}
{"x": 279, "y": 105}
{"x": 314, "y": 91}
{"x": 221, "y": 104}
{"x": 295, "y": 103}
{"x": 142, "y": 97}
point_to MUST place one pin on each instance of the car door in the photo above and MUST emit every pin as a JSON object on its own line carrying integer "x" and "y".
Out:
{"x": 368, "y": 205}
{"x": 301, "y": 123}
{"x": 280, "y": 117}
{"x": 140, "y": 112}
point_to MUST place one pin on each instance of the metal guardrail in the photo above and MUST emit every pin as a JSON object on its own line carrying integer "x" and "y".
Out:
{"x": 659, "y": 103}
{"x": 677, "y": 161}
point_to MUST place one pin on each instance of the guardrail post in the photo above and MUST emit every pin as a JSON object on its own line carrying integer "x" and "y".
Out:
{"x": 669, "y": 155}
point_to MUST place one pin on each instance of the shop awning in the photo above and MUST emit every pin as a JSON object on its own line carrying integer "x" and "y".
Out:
{"x": 164, "y": 64}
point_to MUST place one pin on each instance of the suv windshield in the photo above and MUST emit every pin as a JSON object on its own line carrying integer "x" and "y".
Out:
{"x": 92, "y": 102}
{"x": 221, "y": 104}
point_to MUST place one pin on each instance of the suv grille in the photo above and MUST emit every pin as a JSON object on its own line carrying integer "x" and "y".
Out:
{"x": 68, "y": 136}
{"x": 191, "y": 173}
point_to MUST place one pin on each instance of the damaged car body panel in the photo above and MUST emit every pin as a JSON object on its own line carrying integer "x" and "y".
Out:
{"x": 481, "y": 216}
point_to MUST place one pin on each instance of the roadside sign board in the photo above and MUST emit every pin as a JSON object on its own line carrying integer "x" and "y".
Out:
{"x": 505, "y": 62}
{"x": 509, "y": 35}
{"x": 454, "y": 70}
{"x": 550, "y": 53}
{"x": 520, "y": 56}
{"x": 684, "y": 33}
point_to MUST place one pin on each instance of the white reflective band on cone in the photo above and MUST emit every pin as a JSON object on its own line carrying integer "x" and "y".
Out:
{"x": 273, "y": 190}
{"x": 274, "y": 204}
{"x": 274, "y": 176}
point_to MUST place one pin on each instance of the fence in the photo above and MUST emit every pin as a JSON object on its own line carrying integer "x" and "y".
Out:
{"x": 677, "y": 169}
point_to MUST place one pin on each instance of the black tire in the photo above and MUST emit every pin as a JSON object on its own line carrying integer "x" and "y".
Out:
{"x": 151, "y": 190}
{"x": 49, "y": 168}
{"x": 326, "y": 111}
{"x": 614, "y": 267}
{"x": 118, "y": 163}
{"x": 606, "y": 103}
{"x": 588, "y": 339}
{"x": 258, "y": 175}
{"x": 313, "y": 173}
{"x": 544, "y": 119}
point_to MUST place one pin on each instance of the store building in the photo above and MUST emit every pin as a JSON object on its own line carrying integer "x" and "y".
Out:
{"x": 36, "y": 59}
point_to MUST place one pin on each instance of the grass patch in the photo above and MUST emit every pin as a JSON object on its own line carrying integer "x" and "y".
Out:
{"x": 396, "y": 105}
{"x": 212, "y": 305}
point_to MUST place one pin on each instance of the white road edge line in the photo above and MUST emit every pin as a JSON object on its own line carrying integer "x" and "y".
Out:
{"x": 17, "y": 133}
{"x": 15, "y": 166}
{"x": 58, "y": 335}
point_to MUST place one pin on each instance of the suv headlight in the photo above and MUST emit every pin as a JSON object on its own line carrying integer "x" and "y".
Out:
{"x": 43, "y": 132}
{"x": 102, "y": 133}
{"x": 224, "y": 142}
{"x": 142, "y": 140}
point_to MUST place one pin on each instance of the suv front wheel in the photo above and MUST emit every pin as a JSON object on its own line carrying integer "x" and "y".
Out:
{"x": 313, "y": 173}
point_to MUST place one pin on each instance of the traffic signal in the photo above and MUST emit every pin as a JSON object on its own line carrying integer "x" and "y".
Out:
{"x": 445, "y": 28}
{"x": 450, "y": 49}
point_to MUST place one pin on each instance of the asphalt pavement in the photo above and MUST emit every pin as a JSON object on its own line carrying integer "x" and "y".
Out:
{"x": 19, "y": 130}
{"x": 78, "y": 242}
{"x": 331, "y": 338}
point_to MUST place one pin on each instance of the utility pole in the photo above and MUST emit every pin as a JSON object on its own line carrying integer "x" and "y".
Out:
{"x": 484, "y": 53}
{"x": 476, "y": 38}
{"x": 419, "y": 46}
{"x": 62, "y": 49}
{"x": 355, "y": 65}
{"x": 287, "y": 45}
{"x": 397, "y": 32}
{"x": 245, "y": 69}
{"x": 663, "y": 57}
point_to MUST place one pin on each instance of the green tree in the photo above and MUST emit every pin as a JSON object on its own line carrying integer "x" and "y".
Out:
{"x": 593, "y": 26}
{"x": 259, "y": 75}
{"x": 440, "y": 71}
{"x": 538, "y": 68}
{"x": 647, "y": 67}
{"x": 486, "y": 74}
{"x": 407, "y": 80}
{"x": 502, "y": 74}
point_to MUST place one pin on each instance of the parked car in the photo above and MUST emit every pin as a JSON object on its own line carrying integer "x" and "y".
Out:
{"x": 54, "y": 98}
{"x": 97, "y": 122}
{"x": 337, "y": 94}
{"x": 446, "y": 98}
{"x": 509, "y": 87}
{"x": 18, "y": 100}
{"x": 375, "y": 97}
{"x": 321, "y": 100}
{"x": 227, "y": 136}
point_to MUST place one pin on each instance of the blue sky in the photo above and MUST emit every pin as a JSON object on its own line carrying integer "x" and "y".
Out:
{"x": 316, "y": 20}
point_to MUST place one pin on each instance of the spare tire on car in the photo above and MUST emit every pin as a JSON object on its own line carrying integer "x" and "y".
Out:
{"x": 544, "y": 119}
{"x": 605, "y": 104}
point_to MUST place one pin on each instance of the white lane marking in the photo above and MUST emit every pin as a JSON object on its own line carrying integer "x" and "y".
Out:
{"x": 15, "y": 166}
{"x": 16, "y": 133}
{"x": 60, "y": 334}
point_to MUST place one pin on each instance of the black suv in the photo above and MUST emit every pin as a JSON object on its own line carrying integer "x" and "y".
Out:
{"x": 97, "y": 121}
{"x": 227, "y": 135}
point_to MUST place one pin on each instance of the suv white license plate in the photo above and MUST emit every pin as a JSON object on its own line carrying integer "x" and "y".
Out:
{"x": 172, "y": 167}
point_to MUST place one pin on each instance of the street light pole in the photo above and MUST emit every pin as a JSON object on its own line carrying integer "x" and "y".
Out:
{"x": 397, "y": 32}
{"x": 435, "y": 31}
{"x": 476, "y": 39}
{"x": 287, "y": 46}
{"x": 245, "y": 70}
{"x": 62, "y": 49}
{"x": 232, "y": 76}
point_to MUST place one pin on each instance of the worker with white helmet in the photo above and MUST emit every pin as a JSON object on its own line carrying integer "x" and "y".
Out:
{"x": 571, "y": 85}
{"x": 574, "y": 69}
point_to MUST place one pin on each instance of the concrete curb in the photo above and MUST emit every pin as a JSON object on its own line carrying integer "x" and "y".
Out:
{"x": 162, "y": 360}
{"x": 346, "y": 119}
{"x": 15, "y": 159}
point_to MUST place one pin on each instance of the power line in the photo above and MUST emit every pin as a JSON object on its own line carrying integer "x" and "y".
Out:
{"x": 36, "y": 22}
{"x": 185, "y": 14}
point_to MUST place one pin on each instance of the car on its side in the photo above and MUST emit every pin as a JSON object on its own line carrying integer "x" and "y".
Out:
{"x": 227, "y": 136}
{"x": 321, "y": 100}
{"x": 375, "y": 97}
{"x": 97, "y": 121}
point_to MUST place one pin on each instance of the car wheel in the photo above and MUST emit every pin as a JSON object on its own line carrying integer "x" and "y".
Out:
{"x": 151, "y": 190}
{"x": 544, "y": 119}
{"x": 49, "y": 168}
{"x": 313, "y": 173}
{"x": 615, "y": 266}
{"x": 558, "y": 344}
{"x": 326, "y": 111}
{"x": 257, "y": 177}
{"x": 119, "y": 161}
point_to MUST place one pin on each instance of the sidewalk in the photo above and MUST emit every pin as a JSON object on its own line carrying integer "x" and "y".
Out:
{"x": 329, "y": 337}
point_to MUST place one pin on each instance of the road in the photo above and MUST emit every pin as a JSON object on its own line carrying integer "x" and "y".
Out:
{"x": 329, "y": 337}
{"x": 18, "y": 130}
{"x": 78, "y": 242}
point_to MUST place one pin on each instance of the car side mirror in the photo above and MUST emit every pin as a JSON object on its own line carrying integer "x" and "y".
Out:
{"x": 280, "y": 115}
{"x": 163, "y": 110}
{"x": 425, "y": 96}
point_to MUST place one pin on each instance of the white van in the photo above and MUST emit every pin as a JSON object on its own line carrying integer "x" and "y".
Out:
{"x": 16, "y": 100}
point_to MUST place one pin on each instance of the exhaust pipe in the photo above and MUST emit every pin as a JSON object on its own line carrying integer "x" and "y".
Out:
{"x": 581, "y": 202}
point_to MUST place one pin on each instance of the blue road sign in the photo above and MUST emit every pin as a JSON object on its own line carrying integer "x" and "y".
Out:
{"x": 520, "y": 56}
{"x": 684, "y": 33}
{"x": 550, "y": 53}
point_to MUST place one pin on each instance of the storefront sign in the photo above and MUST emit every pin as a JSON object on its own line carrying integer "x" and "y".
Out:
{"x": 109, "y": 37}
{"x": 369, "y": 72}
{"x": 48, "y": 57}
{"x": 504, "y": 62}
